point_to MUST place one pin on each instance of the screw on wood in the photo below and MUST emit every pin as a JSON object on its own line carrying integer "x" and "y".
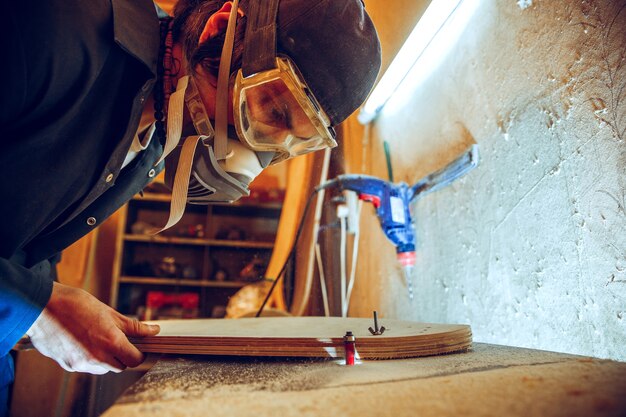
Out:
{"x": 376, "y": 331}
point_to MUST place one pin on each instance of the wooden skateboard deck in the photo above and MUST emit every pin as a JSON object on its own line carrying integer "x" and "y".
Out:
{"x": 305, "y": 337}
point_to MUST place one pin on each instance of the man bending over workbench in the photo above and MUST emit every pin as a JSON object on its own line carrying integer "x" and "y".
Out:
{"x": 100, "y": 96}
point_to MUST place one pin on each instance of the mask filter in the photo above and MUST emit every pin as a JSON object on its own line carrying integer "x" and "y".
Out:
{"x": 218, "y": 181}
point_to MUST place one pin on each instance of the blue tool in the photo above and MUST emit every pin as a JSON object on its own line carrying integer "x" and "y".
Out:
{"x": 392, "y": 202}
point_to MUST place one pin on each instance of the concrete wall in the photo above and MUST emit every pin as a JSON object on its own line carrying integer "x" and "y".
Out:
{"x": 529, "y": 248}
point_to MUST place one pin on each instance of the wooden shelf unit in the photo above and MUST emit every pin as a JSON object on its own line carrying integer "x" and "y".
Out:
{"x": 199, "y": 242}
{"x": 209, "y": 239}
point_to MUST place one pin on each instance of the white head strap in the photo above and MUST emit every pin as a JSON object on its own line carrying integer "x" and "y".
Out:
{"x": 221, "y": 100}
{"x": 175, "y": 126}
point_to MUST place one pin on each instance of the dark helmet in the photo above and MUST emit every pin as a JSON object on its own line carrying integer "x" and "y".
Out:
{"x": 332, "y": 42}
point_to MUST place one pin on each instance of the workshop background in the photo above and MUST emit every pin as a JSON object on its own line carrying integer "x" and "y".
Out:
{"x": 530, "y": 247}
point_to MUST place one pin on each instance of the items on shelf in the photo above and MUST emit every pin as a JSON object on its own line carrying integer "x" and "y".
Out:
{"x": 254, "y": 270}
{"x": 141, "y": 228}
{"x": 163, "y": 305}
{"x": 205, "y": 253}
{"x": 218, "y": 312}
{"x": 190, "y": 272}
{"x": 167, "y": 268}
{"x": 191, "y": 230}
{"x": 220, "y": 275}
{"x": 188, "y": 230}
{"x": 231, "y": 233}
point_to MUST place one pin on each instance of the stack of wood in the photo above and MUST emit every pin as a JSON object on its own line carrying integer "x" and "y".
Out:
{"x": 321, "y": 337}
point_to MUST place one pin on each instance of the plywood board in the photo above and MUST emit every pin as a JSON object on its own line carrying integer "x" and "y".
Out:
{"x": 305, "y": 337}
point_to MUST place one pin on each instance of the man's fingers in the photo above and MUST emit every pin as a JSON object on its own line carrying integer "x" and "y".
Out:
{"x": 114, "y": 365}
{"x": 125, "y": 351}
{"x": 135, "y": 328}
{"x": 94, "y": 340}
{"x": 129, "y": 355}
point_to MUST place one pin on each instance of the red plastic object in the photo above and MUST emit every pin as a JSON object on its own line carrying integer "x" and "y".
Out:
{"x": 349, "y": 344}
{"x": 406, "y": 258}
{"x": 158, "y": 299}
{"x": 374, "y": 199}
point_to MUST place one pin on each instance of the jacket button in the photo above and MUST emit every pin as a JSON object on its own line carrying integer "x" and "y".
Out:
{"x": 151, "y": 173}
{"x": 91, "y": 221}
{"x": 109, "y": 178}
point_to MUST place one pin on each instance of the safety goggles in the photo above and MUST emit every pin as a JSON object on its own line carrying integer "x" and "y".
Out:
{"x": 275, "y": 111}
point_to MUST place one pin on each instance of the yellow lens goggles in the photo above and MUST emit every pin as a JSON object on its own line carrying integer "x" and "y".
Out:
{"x": 275, "y": 111}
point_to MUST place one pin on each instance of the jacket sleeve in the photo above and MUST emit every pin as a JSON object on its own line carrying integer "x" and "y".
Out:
{"x": 24, "y": 292}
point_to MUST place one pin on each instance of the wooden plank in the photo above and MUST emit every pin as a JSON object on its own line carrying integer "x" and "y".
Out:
{"x": 248, "y": 244}
{"x": 166, "y": 198}
{"x": 305, "y": 337}
{"x": 181, "y": 282}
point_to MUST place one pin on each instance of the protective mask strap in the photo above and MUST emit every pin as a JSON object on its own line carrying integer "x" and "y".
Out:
{"x": 175, "y": 123}
{"x": 181, "y": 182}
{"x": 175, "y": 117}
{"x": 259, "y": 44}
{"x": 185, "y": 161}
{"x": 220, "y": 146}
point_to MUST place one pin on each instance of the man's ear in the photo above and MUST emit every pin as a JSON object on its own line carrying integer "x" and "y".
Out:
{"x": 217, "y": 23}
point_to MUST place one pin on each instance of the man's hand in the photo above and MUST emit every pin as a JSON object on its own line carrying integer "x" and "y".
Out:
{"x": 84, "y": 335}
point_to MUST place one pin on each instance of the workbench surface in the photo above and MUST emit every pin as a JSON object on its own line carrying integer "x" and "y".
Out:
{"x": 488, "y": 380}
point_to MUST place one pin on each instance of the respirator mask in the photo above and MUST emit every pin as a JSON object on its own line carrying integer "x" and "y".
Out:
{"x": 211, "y": 179}
{"x": 276, "y": 118}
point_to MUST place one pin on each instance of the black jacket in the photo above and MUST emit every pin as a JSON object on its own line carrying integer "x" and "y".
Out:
{"x": 75, "y": 75}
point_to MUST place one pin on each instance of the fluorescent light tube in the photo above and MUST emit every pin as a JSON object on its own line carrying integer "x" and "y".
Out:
{"x": 438, "y": 15}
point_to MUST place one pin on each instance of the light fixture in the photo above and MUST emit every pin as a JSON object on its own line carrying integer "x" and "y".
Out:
{"x": 434, "y": 34}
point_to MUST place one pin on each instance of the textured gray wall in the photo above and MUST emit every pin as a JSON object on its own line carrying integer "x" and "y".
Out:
{"x": 529, "y": 248}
